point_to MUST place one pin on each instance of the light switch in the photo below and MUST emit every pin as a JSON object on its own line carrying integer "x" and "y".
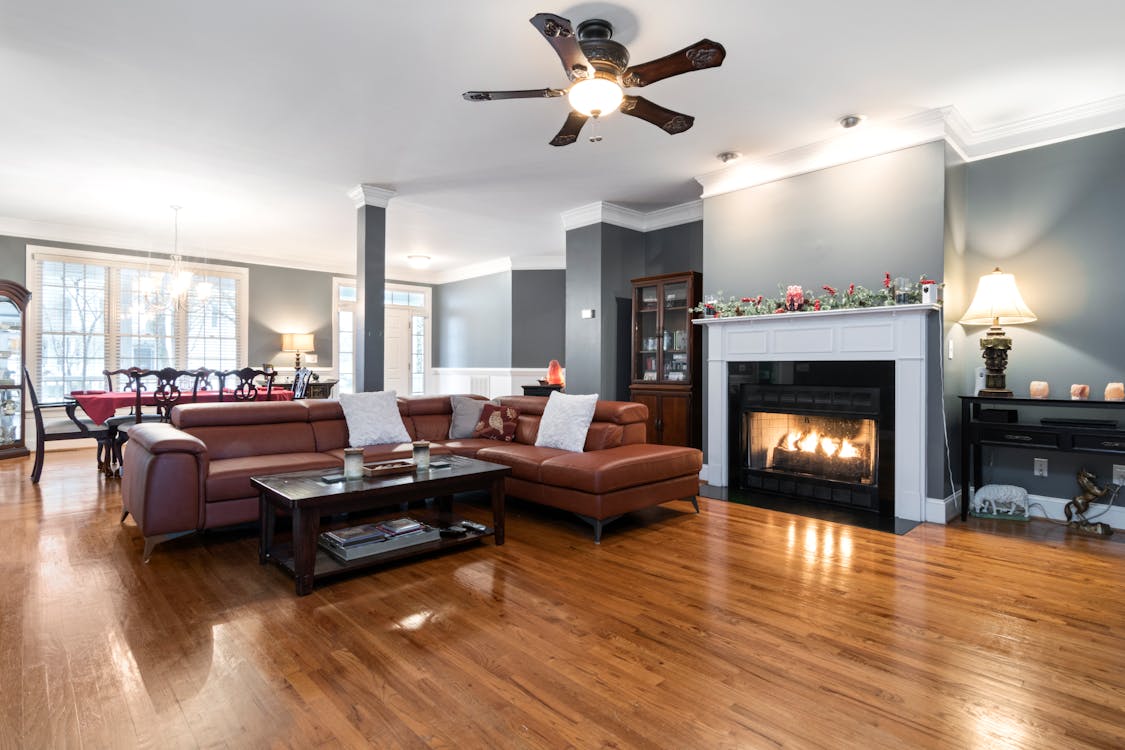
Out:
{"x": 589, "y": 313}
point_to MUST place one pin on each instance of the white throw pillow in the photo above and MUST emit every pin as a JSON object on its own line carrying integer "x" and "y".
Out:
{"x": 566, "y": 419}
{"x": 373, "y": 419}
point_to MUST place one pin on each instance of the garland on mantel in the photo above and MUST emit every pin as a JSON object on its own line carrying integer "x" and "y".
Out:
{"x": 793, "y": 298}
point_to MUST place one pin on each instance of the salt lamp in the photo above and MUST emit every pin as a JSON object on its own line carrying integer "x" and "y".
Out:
{"x": 554, "y": 373}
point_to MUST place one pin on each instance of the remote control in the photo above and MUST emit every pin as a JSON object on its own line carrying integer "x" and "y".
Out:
{"x": 478, "y": 527}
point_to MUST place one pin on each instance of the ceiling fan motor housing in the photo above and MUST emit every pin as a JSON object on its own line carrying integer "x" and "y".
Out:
{"x": 595, "y": 37}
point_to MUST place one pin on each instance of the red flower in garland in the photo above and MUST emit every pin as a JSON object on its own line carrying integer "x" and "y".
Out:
{"x": 779, "y": 310}
{"x": 758, "y": 301}
{"x": 747, "y": 299}
{"x": 816, "y": 304}
{"x": 829, "y": 289}
{"x": 851, "y": 288}
{"x": 887, "y": 280}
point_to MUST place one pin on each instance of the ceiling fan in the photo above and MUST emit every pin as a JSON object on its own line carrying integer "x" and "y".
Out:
{"x": 599, "y": 70}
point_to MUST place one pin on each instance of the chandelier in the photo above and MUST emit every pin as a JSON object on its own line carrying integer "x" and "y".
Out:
{"x": 169, "y": 290}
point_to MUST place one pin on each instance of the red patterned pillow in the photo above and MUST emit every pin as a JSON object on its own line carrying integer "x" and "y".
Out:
{"x": 497, "y": 423}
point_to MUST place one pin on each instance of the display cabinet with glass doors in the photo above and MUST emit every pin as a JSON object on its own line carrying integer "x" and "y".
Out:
{"x": 666, "y": 357}
{"x": 13, "y": 309}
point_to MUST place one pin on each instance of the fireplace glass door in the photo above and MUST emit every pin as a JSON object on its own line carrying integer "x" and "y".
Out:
{"x": 840, "y": 449}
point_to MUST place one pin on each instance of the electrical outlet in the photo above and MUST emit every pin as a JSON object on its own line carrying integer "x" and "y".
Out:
{"x": 1118, "y": 474}
{"x": 1040, "y": 467}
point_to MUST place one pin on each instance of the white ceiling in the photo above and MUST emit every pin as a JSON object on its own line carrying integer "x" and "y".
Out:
{"x": 258, "y": 117}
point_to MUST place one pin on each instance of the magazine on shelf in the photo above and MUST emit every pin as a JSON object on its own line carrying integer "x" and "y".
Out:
{"x": 396, "y": 526}
{"x": 367, "y": 532}
{"x": 346, "y": 553}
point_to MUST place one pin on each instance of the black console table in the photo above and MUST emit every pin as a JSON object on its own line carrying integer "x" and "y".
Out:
{"x": 977, "y": 431}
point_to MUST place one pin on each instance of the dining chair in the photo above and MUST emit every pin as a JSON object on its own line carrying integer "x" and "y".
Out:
{"x": 71, "y": 427}
{"x": 123, "y": 375}
{"x": 245, "y": 388}
{"x": 167, "y": 388}
{"x": 301, "y": 382}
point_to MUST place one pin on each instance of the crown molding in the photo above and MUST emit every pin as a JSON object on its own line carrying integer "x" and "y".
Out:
{"x": 872, "y": 139}
{"x": 98, "y": 239}
{"x": 476, "y": 270}
{"x": 611, "y": 213}
{"x": 371, "y": 195}
{"x": 673, "y": 216}
{"x": 1032, "y": 132}
{"x": 538, "y": 263}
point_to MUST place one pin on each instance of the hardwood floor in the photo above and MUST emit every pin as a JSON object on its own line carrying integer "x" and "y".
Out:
{"x": 736, "y": 628}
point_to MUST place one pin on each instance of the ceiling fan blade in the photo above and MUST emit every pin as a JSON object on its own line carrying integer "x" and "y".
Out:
{"x": 665, "y": 119}
{"x": 488, "y": 96}
{"x": 568, "y": 134}
{"x": 560, "y": 34}
{"x": 702, "y": 54}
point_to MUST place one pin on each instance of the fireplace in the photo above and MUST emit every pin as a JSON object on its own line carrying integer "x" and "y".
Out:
{"x": 819, "y": 431}
{"x": 905, "y": 338}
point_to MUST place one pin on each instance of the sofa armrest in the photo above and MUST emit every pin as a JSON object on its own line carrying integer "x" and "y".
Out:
{"x": 164, "y": 479}
{"x": 158, "y": 437}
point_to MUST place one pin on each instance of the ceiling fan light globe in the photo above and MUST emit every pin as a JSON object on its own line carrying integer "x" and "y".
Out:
{"x": 592, "y": 95}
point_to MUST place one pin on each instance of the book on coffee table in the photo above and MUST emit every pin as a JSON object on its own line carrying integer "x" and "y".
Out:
{"x": 346, "y": 553}
{"x": 367, "y": 532}
{"x": 396, "y": 526}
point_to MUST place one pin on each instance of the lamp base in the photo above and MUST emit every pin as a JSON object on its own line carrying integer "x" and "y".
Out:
{"x": 995, "y": 393}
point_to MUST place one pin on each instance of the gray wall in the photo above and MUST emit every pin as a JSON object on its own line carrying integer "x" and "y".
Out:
{"x": 583, "y": 291}
{"x": 846, "y": 224}
{"x": 1055, "y": 218}
{"x": 837, "y": 226}
{"x": 674, "y": 249}
{"x": 472, "y": 324}
{"x": 538, "y": 318}
{"x": 286, "y": 300}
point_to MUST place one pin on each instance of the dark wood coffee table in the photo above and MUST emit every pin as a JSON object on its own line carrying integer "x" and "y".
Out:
{"x": 306, "y": 497}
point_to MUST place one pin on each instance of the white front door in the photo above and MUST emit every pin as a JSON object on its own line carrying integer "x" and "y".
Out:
{"x": 396, "y": 350}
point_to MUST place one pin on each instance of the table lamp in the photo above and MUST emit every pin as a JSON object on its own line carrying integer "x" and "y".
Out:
{"x": 297, "y": 342}
{"x": 996, "y": 303}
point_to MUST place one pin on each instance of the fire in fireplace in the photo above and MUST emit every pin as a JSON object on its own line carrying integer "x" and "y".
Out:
{"x": 815, "y": 431}
{"x": 837, "y": 448}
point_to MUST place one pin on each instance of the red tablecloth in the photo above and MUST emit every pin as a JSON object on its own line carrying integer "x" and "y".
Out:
{"x": 101, "y": 406}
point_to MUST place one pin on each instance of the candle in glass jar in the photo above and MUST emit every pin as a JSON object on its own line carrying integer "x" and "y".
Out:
{"x": 1039, "y": 389}
{"x": 353, "y": 463}
{"x": 421, "y": 454}
{"x": 1115, "y": 392}
{"x": 1079, "y": 392}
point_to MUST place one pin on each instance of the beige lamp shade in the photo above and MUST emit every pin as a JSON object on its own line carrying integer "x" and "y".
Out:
{"x": 997, "y": 302}
{"x": 296, "y": 342}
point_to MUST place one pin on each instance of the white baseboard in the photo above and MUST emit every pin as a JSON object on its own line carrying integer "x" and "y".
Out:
{"x": 1053, "y": 506}
{"x": 943, "y": 510}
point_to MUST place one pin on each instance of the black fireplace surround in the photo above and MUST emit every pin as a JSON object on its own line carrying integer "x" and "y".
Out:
{"x": 838, "y": 398}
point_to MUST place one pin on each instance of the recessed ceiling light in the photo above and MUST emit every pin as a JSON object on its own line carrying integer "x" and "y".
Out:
{"x": 728, "y": 156}
{"x": 850, "y": 121}
{"x": 418, "y": 261}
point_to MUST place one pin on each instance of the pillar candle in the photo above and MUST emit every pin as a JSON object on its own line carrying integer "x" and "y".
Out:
{"x": 1079, "y": 392}
{"x": 1115, "y": 392}
{"x": 1040, "y": 389}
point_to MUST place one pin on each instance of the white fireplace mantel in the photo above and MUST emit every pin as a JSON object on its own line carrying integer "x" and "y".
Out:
{"x": 898, "y": 333}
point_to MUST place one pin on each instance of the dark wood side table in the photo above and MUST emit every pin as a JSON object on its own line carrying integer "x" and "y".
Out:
{"x": 306, "y": 497}
{"x": 541, "y": 390}
{"x": 1074, "y": 436}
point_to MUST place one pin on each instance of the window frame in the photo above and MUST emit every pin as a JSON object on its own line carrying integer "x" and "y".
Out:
{"x": 425, "y": 310}
{"x": 113, "y": 305}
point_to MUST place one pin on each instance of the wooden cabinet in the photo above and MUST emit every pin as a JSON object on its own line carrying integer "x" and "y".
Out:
{"x": 666, "y": 357}
{"x": 13, "y": 307}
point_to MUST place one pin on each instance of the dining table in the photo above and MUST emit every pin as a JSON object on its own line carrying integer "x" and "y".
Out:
{"x": 101, "y": 405}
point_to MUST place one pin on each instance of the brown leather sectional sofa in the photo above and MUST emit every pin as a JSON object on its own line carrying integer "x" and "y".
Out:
{"x": 194, "y": 473}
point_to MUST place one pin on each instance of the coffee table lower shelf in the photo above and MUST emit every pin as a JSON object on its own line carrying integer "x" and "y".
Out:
{"x": 326, "y": 565}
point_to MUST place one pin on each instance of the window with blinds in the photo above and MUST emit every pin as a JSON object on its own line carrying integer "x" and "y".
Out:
{"x": 89, "y": 315}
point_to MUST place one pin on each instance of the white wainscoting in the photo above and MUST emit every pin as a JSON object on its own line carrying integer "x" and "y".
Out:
{"x": 485, "y": 381}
